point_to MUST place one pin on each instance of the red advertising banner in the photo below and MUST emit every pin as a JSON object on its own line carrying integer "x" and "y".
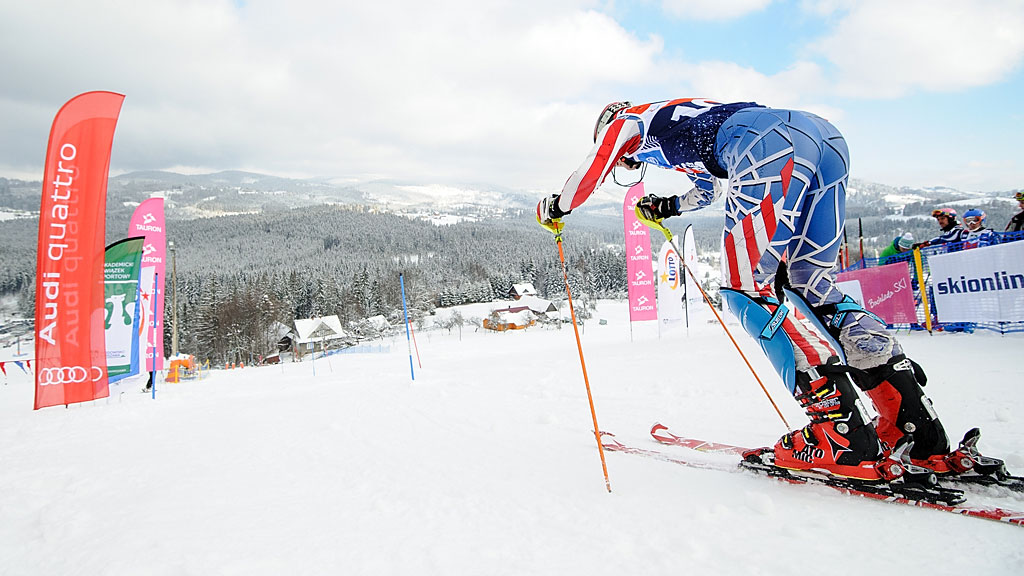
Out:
{"x": 639, "y": 264}
{"x": 71, "y": 357}
{"x": 884, "y": 290}
{"x": 148, "y": 221}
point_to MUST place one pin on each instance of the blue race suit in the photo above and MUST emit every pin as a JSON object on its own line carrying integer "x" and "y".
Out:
{"x": 786, "y": 173}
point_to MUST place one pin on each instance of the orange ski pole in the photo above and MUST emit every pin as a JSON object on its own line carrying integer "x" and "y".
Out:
{"x": 556, "y": 227}
{"x": 668, "y": 235}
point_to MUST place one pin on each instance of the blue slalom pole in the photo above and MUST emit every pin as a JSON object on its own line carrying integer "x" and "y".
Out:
{"x": 408, "y": 338}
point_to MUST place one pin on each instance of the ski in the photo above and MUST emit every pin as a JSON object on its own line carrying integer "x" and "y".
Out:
{"x": 662, "y": 434}
{"x": 920, "y": 496}
{"x": 999, "y": 477}
{"x": 905, "y": 491}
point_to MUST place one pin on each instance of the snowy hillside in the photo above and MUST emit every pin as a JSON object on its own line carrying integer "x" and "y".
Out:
{"x": 484, "y": 465}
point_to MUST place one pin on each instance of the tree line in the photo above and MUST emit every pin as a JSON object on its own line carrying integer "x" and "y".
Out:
{"x": 239, "y": 277}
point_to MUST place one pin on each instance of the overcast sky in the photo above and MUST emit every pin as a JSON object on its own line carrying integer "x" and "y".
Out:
{"x": 928, "y": 92}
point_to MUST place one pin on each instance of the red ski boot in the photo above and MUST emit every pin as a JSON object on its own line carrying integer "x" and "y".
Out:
{"x": 839, "y": 441}
{"x": 903, "y": 409}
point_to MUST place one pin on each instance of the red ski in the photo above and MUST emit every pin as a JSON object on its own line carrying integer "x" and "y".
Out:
{"x": 924, "y": 497}
{"x": 662, "y": 434}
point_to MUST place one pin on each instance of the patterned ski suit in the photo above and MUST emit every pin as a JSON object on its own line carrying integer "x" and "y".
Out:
{"x": 785, "y": 178}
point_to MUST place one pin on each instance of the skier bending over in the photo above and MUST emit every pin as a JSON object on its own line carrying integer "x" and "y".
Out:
{"x": 785, "y": 174}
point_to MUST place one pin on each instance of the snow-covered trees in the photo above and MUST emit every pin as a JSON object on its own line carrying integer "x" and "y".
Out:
{"x": 239, "y": 274}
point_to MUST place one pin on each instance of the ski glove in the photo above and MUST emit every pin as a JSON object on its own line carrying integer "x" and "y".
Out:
{"x": 548, "y": 210}
{"x": 656, "y": 208}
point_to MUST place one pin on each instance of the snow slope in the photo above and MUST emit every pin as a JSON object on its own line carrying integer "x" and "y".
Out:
{"x": 484, "y": 465}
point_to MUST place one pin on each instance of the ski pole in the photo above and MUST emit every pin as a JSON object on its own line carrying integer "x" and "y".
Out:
{"x": 668, "y": 235}
{"x": 556, "y": 227}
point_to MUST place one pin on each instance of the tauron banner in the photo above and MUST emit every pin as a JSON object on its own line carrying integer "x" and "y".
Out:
{"x": 148, "y": 221}
{"x": 639, "y": 267}
{"x": 71, "y": 363}
{"x": 670, "y": 286}
{"x": 121, "y": 289}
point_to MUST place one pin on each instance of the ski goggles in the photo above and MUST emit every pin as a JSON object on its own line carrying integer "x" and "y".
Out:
{"x": 945, "y": 212}
{"x": 972, "y": 220}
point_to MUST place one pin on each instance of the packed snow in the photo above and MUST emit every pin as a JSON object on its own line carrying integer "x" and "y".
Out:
{"x": 484, "y": 464}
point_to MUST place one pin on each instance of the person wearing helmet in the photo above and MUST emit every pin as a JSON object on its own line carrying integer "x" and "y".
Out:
{"x": 951, "y": 230}
{"x": 976, "y": 234}
{"x": 1016, "y": 223}
{"x": 899, "y": 245}
{"x": 783, "y": 174}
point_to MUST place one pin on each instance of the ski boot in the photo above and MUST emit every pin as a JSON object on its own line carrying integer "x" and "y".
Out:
{"x": 840, "y": 440}
{"x": 903, "y": 409}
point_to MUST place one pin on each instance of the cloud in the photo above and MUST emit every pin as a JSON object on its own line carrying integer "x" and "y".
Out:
{"x": 446, "y": 90}
{"x": 713, "y": 9}
{"x": 452, "y": 91}
{"x": 732, "y": 82}
{"x": 883, "y": 49}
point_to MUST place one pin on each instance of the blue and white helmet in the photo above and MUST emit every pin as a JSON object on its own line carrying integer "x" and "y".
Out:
{"x": 974, "y": 213}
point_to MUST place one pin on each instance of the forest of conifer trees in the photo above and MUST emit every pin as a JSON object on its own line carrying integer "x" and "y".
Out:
{"x": 239, "y": 276}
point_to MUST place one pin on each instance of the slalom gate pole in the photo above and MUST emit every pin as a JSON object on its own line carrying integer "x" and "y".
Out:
{"x": 415, "y": 347}
{"x": 152, "y": 348}
{"x": 846, "y": 242}
{"x": 860, "y": 233}
{"x": 668, "y": 235}
{"x": 556, "y": 227}
{"x": 408, "y": 338}
{"x": 919, "y": 267}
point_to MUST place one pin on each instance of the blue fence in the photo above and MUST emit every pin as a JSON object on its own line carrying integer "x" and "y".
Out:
{"x": 908, "y": 257}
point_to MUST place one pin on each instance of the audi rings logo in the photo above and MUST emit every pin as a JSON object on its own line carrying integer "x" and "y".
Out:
{"x": 69, "y": 375}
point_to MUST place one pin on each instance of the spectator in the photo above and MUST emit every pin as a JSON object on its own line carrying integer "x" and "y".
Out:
{"x": 1017, "y": 222}
{"x": 899, "y": 245}
{"x": 975, "y": 234}
{"x": 951, "y": 231}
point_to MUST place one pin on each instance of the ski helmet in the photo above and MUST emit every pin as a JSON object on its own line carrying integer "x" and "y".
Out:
{"x": 1019, "y": 196}
{"x": 947, "y": 212}
{"x": 607, "y": 115}
{"x": 974, "y": 213}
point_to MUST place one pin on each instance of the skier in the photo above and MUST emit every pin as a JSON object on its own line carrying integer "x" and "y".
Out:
{"x": 951, "y": 231}
{"x": 976, "y": 234}
{"x": 1016, "y": 223}
{"x": 899, "y": 245}
{"x": 785, "y": 174}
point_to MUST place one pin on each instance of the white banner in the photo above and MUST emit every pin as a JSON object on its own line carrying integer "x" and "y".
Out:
{"x": 979, "y": 285}
{"x": 670, "y": 286}
{"x": 695, "y": 306}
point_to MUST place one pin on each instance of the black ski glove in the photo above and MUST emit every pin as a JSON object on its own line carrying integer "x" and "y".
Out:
{"x": 656, "y": 208}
